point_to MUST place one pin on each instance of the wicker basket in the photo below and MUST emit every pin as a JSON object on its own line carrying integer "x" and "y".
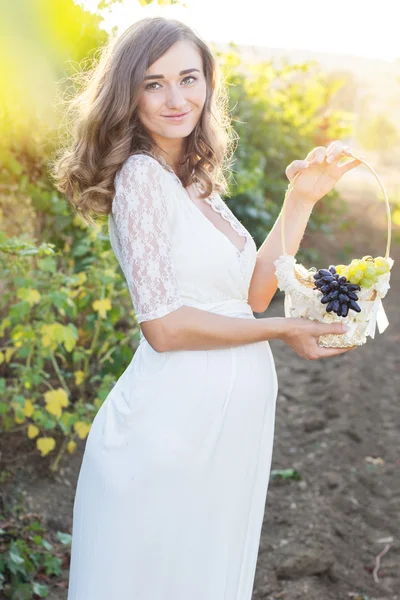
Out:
{"x": 302, "y": 300}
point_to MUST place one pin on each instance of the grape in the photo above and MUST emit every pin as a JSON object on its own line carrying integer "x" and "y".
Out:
{"x": 354, "y": 306}
{"x": 352, "y": 295}
{"x": 324, "y": 272}
{"x": 327, "y": 278}
{"x": 337, "y": 292}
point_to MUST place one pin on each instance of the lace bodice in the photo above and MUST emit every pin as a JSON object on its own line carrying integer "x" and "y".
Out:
{"x": 170, "y": 252}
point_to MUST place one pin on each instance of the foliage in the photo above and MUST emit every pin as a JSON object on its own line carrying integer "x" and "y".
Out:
{"x": 30, "y": 558}
{"x": 67, "y": 332}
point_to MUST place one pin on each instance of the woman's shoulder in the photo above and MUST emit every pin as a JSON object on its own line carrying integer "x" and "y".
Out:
{"x": 138, "y": 168}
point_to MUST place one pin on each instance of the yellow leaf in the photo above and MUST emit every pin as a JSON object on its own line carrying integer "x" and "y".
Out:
{"x": 54, "y": 408}
{"x": 71, "y": 446}
{"x": 19, "y": 420}
{"x": 28, "y": 409}
{"x": 82, "y": 278}
{"x": 6, "y": 323}
{"x": 27, "y": 385}
{"x": 79, "y": 377}
{"x": 9, "y": 353}
{"x": 2, "y": 358}
{"x": 82, "y": 429}
{"x": 45, "y": 445}
{"x": 33, "y": 431}
{"x": 101, "y": 306}
{"x": 29, "y": 295}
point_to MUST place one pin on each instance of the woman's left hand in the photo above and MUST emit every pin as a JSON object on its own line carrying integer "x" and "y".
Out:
{"x": 323, "y": 171}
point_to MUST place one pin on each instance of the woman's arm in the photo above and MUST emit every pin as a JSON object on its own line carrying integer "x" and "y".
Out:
{"x": 264, "y": 283}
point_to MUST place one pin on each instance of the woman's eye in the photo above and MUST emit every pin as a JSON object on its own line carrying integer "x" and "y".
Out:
{"x": 190, "y": 77}
{"x": 150, "y": 86}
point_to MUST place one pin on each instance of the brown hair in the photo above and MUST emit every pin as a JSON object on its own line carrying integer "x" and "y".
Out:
{"x": 106, "y": 129}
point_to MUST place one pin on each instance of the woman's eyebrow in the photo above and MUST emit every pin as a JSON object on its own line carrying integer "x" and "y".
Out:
{"x": 162, "y": 76}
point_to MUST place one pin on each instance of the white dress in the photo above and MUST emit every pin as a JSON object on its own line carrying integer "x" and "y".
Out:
{"x": 171, "y": 492}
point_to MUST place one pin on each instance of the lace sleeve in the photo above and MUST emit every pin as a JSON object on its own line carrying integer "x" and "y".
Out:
{"x": 142, "y": 226}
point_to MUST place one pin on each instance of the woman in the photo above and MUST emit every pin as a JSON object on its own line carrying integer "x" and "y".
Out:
{"x": 171, "y": 492}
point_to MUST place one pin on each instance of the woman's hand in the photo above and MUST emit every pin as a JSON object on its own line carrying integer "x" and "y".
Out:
{"x": 320, "y": 171}
{"x": 302, "y": 335}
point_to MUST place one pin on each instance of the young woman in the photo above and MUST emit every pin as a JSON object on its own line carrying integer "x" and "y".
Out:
{"x": 171, "y": 493}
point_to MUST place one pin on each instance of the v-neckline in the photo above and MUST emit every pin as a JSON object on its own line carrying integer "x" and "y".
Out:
{"x": 209, "y": 200}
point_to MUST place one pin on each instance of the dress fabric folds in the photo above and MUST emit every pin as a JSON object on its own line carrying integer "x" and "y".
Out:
{"x": 171, "y": 492}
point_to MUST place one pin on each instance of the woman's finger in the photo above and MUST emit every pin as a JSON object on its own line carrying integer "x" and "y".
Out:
{"x": 347, "y": 166}
{"x": 295, "y": 167}
{"x": 317, "y": 156}
{"x": 335, "y": 351}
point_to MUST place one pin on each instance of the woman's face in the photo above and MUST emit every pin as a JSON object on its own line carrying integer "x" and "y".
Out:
{"x": 173, "y": 93}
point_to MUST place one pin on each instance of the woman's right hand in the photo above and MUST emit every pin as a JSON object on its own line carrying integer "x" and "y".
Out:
{"x": 302, "y": 335}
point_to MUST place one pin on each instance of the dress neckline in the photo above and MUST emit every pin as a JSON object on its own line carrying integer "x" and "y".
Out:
{"x": 211, "y": 201}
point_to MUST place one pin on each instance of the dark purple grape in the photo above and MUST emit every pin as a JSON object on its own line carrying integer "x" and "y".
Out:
{"x": 327, "y": 278}
{"x": 340, "y": 310}
{"x": 342, "y": 279}
{"x": 354, "y": 306}
{"x": 330, "y": 306}
{"x": 352, "y": 287}
{"x": 333, "y": 295}
{"x": 317, "y": 275}
{"x": 334, "y": 285}
{"x": 352, "y": 295}
{"x": 324, "y": 272}
{"x": 345, "y": 310}
{"x": 325, "y": 300}
{"x": 336, "y": 305}
{"x": 332, "y": 269}
{"x": 344, "y": 298}
{"x": 325, "y": 288}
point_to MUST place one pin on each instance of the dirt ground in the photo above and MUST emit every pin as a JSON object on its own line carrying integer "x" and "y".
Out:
{"x": 337, "y": 424}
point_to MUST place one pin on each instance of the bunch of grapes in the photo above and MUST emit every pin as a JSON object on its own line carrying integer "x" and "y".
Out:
{"x": 364, "y": 272}
{"x": 338, "y": 293}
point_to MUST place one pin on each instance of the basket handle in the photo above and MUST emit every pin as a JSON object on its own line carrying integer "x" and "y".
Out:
{"x": 389, "y": 216}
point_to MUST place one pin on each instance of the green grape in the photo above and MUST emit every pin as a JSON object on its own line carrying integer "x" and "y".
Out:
{"x": 381, "y": 270}
{"x": 366, "y": 282}
{"x": 356, "y": 276}
{"x": 370, "y": 271}
{"x": 382, "y": 263}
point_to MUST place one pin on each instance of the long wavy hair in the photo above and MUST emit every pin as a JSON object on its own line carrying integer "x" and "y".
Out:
{"x": 103, "y": 127}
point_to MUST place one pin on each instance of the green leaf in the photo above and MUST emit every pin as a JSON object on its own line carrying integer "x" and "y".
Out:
{"x": 65, "y": 538}
{"x": 40, "y": 589}
{"x": 285, "y": 474}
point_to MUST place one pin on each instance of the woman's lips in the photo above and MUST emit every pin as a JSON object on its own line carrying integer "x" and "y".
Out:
{"x": 176, "y": 117}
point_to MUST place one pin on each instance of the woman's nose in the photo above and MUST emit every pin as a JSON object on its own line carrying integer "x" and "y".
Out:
{"x": 175, "y": 98}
